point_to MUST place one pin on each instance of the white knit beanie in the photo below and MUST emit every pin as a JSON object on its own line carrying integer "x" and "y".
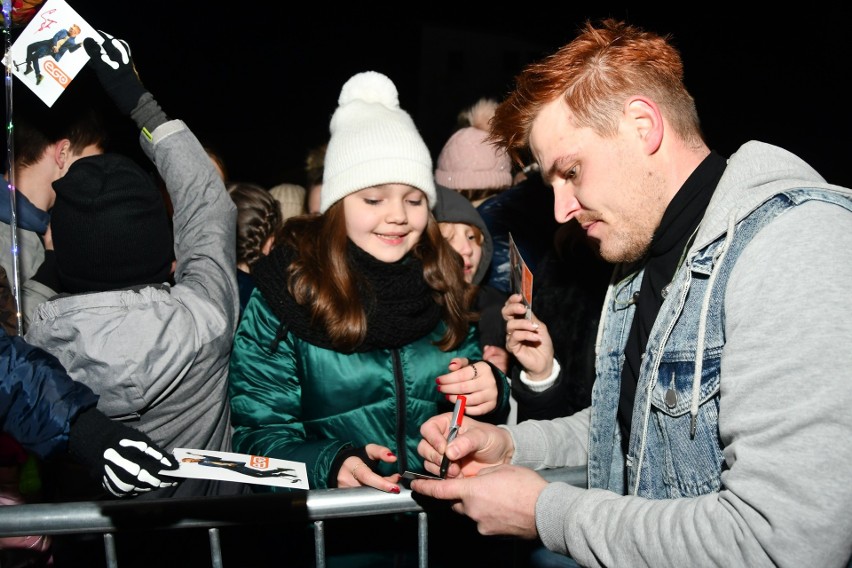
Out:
{"x": 373, "y": 142}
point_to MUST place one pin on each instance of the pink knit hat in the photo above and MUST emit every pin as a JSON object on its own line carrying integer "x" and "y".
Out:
{"x": 468, "y": 161}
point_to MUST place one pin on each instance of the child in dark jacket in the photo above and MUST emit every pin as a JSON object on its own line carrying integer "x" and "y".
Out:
{"x": 362, "y": 325}
{"x": 359, "y": 311}
{"x": 466, "y": 232}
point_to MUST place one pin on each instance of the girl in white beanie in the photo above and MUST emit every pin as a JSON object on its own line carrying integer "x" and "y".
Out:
{"x": 362, "y": 326}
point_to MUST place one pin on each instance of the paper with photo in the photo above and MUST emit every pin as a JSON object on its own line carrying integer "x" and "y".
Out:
{"x": 54, "y": 55}
{"x": 243, "y": 468}
{"x": 521, "y": 277}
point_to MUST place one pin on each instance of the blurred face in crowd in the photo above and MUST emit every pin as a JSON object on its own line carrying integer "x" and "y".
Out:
{"x": 312, "y": 199}
{"x": 386, "y": 220}
{"x": 607, "y": 184}
{"x": 467, "y": 241}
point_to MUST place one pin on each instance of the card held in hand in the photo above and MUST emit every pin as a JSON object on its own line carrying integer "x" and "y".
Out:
{"x": 245, "y": 468}
{"x": 522, "y": 277}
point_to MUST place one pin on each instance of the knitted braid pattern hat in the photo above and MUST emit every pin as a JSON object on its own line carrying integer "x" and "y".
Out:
{"x": 290, "y": 197}
{"x": 373, "y": 142}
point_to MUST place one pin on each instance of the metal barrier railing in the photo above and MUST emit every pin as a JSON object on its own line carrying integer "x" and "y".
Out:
{"x": 110, "y": 517}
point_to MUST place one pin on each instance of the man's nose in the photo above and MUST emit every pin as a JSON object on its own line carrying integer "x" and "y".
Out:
{"x": 565, "y": 204}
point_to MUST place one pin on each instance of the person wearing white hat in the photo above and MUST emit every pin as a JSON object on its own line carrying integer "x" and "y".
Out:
{"x": 359, "y": 311}
{"x": 368, "y": 288}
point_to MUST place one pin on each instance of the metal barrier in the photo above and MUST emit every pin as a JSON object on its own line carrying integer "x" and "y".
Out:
{"x": 110, "y": 517}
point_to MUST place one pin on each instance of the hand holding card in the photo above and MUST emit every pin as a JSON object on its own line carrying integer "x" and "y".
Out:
{"x": 521, "y": 277}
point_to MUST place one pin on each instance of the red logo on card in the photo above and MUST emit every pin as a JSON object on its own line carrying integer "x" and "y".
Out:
{"x": 52, "y": 69}
{"x": 259, "y": 462}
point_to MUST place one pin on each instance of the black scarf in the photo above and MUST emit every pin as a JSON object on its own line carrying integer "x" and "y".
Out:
{"x": 399, "y": 304}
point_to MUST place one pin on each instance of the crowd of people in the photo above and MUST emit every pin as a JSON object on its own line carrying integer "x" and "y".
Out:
{"x": 686, "y": 340}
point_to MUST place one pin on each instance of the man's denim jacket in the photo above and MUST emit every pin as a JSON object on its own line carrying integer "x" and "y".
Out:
{"x": 674, "y": 449}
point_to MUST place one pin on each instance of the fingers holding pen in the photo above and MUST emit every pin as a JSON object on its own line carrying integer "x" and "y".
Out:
{"x": 477, "y": 445}
{"x": 434, "y": 453}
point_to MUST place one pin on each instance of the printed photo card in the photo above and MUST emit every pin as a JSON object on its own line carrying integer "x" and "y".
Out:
{"x": 244, "y": 468}
{"x": 49, "y": 52}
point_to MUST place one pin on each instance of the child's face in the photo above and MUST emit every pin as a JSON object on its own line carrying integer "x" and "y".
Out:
{"x": 313, "y": 199}
{"x": 465, "y": 240}
{"x": 386, "y": 220}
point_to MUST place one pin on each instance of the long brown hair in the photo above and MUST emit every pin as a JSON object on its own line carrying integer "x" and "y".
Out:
{"x": 321, "y": 277}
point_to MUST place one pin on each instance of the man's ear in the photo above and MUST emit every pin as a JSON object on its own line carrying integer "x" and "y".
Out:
{"x": 62, "y": 154}
{"x": 644, "y": 116}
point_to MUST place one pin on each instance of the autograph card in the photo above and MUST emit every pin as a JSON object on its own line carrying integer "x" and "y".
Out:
{"x": 522, "y": 278}
{"x": 415, "y": 475}
{"x": 244, "y": 468}
{"x": 49, "y": 52}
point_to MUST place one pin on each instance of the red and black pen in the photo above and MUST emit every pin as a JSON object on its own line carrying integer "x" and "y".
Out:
{"x": 455, "y": 424}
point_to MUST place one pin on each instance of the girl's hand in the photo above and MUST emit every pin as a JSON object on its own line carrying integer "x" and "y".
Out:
{"x": 498, "y": 356}
{"x": 528, "y": 339}
{"x": 476, "y": 381}
{"x": 356, "y": 473}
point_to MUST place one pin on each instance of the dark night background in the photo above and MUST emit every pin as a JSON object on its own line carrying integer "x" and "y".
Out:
{"x": 259, "y": 81}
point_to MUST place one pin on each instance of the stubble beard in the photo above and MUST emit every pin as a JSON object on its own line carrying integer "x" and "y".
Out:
{"x": 633, "y": 230}
{"x": 625, "y": 246}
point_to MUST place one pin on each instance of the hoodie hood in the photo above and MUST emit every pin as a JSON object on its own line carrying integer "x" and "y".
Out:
{"x": 453, "y": 207}
{"x": 755, "y": 172}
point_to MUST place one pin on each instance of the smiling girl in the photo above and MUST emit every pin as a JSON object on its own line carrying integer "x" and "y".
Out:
{"x": 363, "y": 325}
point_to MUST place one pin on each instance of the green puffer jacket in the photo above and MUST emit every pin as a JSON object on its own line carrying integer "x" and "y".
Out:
{"x": 305, "y": 403}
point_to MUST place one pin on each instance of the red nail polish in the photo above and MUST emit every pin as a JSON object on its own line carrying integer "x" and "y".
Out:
{"x": 438, "y": 381}
{"x": 447, "y": 396}
{"x": 390, "y": 454}
{"x": 394, "y": 489}
{"x": 439, "y": 388}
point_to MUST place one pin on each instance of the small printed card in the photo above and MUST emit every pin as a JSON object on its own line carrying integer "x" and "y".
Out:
{"x": 522, "y": 277}
{"x": 244, "y": 468}
{"x": 415, "y": 475}
{"x": 49, "y": 52}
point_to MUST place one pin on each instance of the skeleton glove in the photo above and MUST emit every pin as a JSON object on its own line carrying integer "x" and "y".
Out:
{"x": 124, "y": 460}
{"x": 112, "y": 63}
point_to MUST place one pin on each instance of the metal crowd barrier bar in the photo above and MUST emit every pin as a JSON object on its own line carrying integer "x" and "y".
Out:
{"x": 317, "y": 505}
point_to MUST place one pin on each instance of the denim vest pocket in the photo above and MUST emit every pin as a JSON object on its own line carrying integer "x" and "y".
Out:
{"x": 689, "y": 466}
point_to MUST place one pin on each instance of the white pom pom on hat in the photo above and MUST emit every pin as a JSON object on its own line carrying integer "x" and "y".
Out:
{"x": 369, "y": 87}
{"x": 373, "y": 142}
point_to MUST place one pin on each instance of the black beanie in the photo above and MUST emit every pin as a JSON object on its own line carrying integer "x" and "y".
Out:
{"x": 110, "y": 226}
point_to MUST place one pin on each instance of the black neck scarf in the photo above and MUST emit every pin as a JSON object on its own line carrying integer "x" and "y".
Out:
{"x": 400, "y": 306}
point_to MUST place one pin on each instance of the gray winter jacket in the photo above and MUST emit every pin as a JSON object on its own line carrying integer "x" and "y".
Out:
{"x": 158, "y": 355}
